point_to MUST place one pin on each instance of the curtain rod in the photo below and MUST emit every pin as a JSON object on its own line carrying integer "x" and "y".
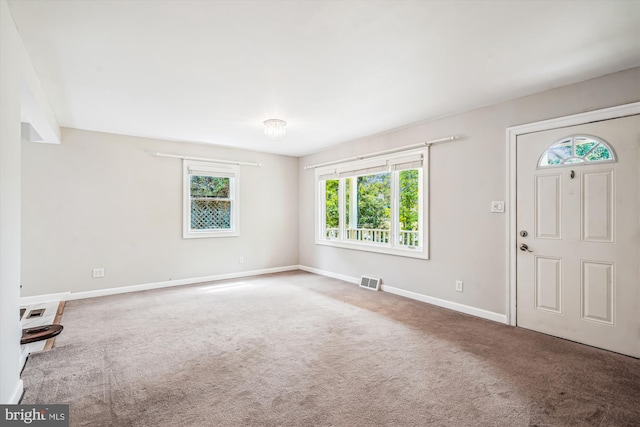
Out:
{"x": 203, "y": 159}
{"x": 392, "y": 150}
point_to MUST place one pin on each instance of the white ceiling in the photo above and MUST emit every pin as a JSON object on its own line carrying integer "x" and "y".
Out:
{"x": 212, "y": 71}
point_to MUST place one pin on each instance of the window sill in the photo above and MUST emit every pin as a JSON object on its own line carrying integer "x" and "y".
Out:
{"x": 419, "y": 253}
{"x": 207, "y": 234}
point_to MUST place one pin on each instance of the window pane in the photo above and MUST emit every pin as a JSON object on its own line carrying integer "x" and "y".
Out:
{"x": 409, "y": 207}
{"x": 549, "y": 159}
{"x": 332, "y": 209}
{"x": 347, "y": 191}
{"x": 209, "y": 186}
{"x": 582, "y": 148}
{"x": 600, "y": 153}
{"x": 374, "y": 208}
{"x": 563, "y": 149}
{"x": 207, "y": 214}
{"x": 573, "y": 160}
{"x": 351, "y": 209}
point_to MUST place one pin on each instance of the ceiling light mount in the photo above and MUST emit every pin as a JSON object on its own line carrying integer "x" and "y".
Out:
{"x": 274, "y": 129}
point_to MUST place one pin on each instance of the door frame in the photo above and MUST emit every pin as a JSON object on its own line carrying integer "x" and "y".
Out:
{"x": 512, "y": 135}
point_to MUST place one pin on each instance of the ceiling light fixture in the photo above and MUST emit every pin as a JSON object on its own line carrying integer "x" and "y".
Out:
{"x": 274, "y": 129}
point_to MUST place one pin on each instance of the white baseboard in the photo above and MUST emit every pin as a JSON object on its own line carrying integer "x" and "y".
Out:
{"x": 68, "y": 296}
{"x": 330, "y": 274}
{"x": 17, "y": 393}
{"x": 485, "y": 314}
{"x": 38, "y": 299}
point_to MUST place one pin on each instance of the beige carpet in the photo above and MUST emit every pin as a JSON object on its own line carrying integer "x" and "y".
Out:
{"x": 298, "y": 349}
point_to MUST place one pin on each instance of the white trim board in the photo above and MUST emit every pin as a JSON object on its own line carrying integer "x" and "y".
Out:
{"x": 511, "y": 136}
{"x": 38, "y": 299}
{"x": 17, "y": 393}
{"x": 330, "y": 274}
{"x": 68, "y": 296}
{"x": 474, "y": 311}
{"x": 24, "y": 354}
{"x": 467, "y": 309}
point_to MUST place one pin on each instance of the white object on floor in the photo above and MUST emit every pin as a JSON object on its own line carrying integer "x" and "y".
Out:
{"x": 47, "y": 318}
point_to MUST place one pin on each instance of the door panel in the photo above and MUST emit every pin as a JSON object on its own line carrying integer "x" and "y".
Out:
{"x": 549, "y": 284}
{"x": 597, "y": 291}
{"x": 596, "y": 210}
{"x": 579, "y": 276}
{"x": 548, "y": 197}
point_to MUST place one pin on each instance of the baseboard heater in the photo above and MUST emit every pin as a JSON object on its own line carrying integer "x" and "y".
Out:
{"x": 370, "y": 283}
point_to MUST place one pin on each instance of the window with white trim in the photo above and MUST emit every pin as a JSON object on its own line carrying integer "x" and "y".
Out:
{"x": 376, "y": 205}
{"x": 210, "y": 201}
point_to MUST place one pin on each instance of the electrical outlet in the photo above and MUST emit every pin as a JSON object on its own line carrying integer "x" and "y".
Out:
{"x": 497, "y": 206}
{"x": 241, "y": 260}
{"x": 459, "y": 285}
{"x": 98, "y": 272}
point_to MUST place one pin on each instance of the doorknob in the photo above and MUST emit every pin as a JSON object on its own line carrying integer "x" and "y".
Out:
{"x": 525, "y": 248}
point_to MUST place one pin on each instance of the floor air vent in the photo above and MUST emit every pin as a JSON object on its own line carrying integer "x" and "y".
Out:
{"x": 35, "y": 313}
{"x": 370, "y": 283}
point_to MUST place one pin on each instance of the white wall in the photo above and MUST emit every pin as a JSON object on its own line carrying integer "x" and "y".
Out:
{"x": 17, "y": 77}
{"x": 102, "y": 200}
{"x": 467, "y": 241}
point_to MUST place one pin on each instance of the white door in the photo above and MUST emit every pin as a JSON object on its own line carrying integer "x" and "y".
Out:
{"x": 578, "y": 223}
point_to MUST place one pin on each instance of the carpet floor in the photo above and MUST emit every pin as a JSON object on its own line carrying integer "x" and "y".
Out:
{"x": 297, "y": 349}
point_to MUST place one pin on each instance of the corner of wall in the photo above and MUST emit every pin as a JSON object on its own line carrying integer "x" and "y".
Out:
{"x": 16, "y": 68}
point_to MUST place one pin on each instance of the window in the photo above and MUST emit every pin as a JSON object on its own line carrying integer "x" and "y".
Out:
{"x": 210, "y": 200}
{"x": 576, "y": 150}
{"x": 376, "y": 205}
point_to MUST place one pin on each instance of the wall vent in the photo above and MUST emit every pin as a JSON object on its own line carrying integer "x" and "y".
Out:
{"x": 369, "y": 283}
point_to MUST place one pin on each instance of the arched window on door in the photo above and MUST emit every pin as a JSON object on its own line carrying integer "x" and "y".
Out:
{"x": 577, "y": 150}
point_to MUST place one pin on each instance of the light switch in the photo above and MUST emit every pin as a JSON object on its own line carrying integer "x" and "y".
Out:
{"x": 497, "y": 206}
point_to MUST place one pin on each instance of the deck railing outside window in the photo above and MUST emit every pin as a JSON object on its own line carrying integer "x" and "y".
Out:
{"x": 405, "y": 238}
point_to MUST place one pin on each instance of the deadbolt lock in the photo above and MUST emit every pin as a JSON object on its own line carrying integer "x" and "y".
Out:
{"x": 524, "y": 233}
